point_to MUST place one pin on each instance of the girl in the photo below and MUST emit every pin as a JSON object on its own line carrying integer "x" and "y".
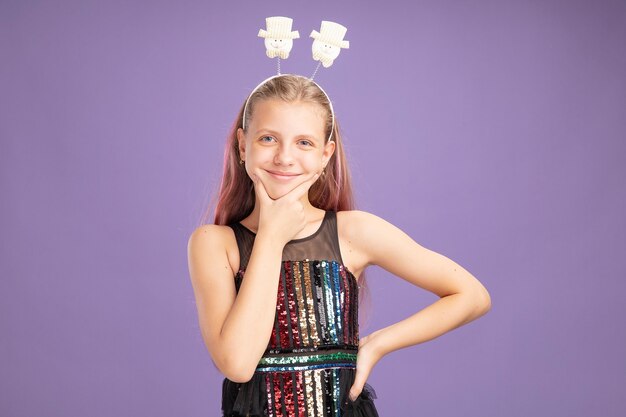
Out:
{"x": 286, "y": 336}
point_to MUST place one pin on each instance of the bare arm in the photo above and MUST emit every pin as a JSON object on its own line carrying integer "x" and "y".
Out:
{"x": 462, "y": 297}
{"x": 235, "y": 327}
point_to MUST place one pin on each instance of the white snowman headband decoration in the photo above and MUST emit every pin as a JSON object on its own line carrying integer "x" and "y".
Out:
{"x": 327, "y": 45}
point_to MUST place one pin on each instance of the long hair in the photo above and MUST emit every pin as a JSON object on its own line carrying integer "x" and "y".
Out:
{"x": 333, "y": 191}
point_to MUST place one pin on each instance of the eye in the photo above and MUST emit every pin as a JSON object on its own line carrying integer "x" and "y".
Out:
{"x": 306, "y": 142}
{"x": 262, "y": 139}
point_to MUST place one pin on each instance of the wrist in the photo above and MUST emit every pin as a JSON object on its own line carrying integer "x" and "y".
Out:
{"x": 269, "y": 240}
{"x": 378, "y": 343}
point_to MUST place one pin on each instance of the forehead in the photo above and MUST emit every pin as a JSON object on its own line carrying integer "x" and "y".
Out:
{"x": 293, "y": 118}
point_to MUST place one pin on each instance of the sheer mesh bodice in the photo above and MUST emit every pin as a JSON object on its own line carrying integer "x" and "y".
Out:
{"x": 310, "y": 361}
{"x": 322, "y": 244}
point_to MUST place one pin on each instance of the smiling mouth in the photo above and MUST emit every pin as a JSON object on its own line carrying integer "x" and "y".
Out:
{"x": 284, "y": 177}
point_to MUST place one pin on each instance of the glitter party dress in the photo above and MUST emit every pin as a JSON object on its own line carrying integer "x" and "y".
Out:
{"x": 309, "y": 364}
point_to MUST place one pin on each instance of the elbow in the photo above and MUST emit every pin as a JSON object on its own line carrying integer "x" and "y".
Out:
{"x": 240, "y": 376}
{"x": 477, "y": 301}
{"x": 234, "y": 362}
{"x": 236, "y": 370}
{"x": 483, "y": 301}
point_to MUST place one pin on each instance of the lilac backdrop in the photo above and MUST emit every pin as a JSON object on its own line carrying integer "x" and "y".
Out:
{"x": 492, "y": 132}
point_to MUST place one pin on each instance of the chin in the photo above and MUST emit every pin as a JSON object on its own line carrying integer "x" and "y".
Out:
{"x": 277, "y": 192}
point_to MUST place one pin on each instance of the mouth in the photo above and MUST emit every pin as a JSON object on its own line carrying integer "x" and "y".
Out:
{"x": 284, "y": 176}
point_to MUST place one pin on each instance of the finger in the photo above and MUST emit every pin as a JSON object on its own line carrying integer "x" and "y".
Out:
{"x": 357, "y": 386}
{"x": 360, "y": 378}
{"x": 355, "y": 391}
{"x": 303, "y": 187}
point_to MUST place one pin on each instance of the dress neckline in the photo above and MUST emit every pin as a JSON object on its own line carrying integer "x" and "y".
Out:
{"x": 302, "y": 239}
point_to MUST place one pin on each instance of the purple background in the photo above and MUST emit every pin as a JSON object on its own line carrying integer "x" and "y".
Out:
{"x": 492, "y": 132}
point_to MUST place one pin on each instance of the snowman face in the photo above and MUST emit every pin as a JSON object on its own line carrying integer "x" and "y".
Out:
{"x": 330, "y": 51}
{"x": 274, "y": 44}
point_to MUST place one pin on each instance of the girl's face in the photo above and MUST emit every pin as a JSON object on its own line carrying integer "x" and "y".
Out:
{"x": 285, "y": 144}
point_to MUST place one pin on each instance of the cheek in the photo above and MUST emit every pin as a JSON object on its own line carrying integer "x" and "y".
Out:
{"x": 248, "y": 169}
{"x": 255, "y": 160}
{"x": 260, "y": 153}
{"x": 316, "y": 161}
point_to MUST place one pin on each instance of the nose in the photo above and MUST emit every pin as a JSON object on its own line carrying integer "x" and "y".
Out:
{"x": 284, "y": 155}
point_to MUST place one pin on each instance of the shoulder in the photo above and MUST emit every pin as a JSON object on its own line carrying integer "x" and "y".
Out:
{"x": 358, "y": 223}
{"x": 360, "y": 235}
{"x": 214, "y": 239}
{"x": 369, "y": 236}
{"x": 209, "y": 235}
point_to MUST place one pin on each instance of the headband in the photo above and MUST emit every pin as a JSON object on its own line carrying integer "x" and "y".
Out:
{"x": 327, "y": 45}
